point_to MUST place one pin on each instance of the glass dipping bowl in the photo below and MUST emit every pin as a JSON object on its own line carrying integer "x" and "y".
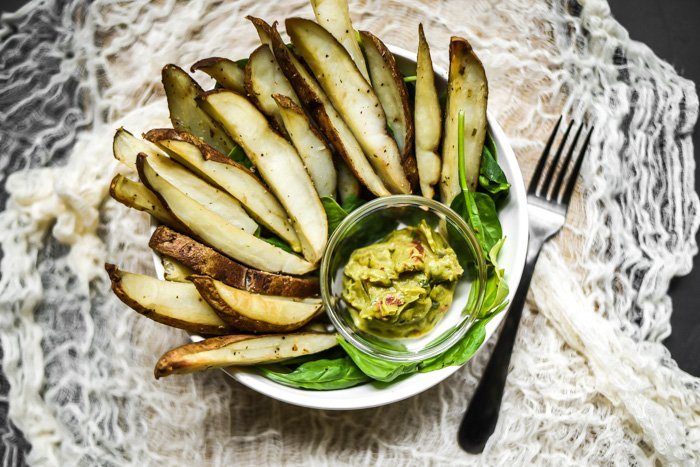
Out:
{"x": 369, "y": 224}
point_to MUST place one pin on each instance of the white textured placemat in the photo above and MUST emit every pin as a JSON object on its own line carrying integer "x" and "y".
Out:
{"x": 590, "y": 381}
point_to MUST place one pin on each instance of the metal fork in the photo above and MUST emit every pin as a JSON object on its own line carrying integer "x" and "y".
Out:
{"x": 547, "y": 204}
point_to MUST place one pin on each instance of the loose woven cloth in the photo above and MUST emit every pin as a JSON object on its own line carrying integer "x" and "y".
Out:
{"x": 590, "y": 383}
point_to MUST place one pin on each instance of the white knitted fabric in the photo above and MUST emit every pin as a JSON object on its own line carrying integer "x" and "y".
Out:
{"x": 590, "y": 383}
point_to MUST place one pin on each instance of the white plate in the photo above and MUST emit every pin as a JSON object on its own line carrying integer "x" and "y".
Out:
{"x": 513, "y": 216}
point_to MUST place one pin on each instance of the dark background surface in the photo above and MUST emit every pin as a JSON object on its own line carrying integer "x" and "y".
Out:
{"x": 671, "y": 28}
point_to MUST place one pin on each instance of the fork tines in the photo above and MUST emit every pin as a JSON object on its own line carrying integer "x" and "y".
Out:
{"x": 549, "y": 187}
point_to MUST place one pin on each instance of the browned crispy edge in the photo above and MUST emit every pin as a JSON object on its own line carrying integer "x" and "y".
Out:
{"x": 408, "y": 158}
{"x": 172, "y": 361}
{"x": 260, "y": 25}
{"x": 115, "y": 276}
{"x": 208, "y": 153}
{"x": 205, "y": 260}
{"x": 208, "y": 63}
{"x": 207, "y": 289}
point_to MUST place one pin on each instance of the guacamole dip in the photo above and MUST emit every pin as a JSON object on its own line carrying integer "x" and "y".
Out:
{"x": 402, "y": 285}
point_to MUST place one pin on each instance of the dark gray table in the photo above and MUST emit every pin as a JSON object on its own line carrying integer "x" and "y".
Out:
{"x": 669, "y": 27}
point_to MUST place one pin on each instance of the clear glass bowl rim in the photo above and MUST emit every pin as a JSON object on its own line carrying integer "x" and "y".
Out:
{"x": 367, "y": 209}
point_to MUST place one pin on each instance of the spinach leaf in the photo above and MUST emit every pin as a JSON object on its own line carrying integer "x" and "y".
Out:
{"x": 490, "y": 144}
{"x": 334, "y": 212}
{"x": 479, "y": 210}
{"x": 376, "y": 368}
{"x": 322, "y": 375}
{"x": 496, "y": 285}
{"x": 237, "y": 154}
{"x": 242, "y": 62}
{"x": 461, "y": 352}
{"x": 278, "y": 242}
{"x": 352, "y": 202}
{"x": 492, "y": 180}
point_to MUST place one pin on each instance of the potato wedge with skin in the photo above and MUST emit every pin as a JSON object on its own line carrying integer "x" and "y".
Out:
{"x": 322, "y": 111}
{"x": 467, "y": 90}
{"x": 254, "y": 312}
{"x": 185, "y": 114}
{"x": 215, "y": 231}
{"x": 353, "y": 97}
{"x": 262, "y": 28}
{"x": 226, "y": 72}
{"x": 278, "y": 164}
{"x": 206, "y": 261}
{"x": 428, "y": 119}
{"x": 387, "y": 82}
{"x": 177, "y": 304}
{"x": 175, "y": 271}
{"x": 127, "y": 147}
{"x": 224, "y": 351}
{"x": 334, "y": 16}
{"x": 316, "y": 156}
{"x": 348, "y": 185}
{"x": 263, "y": 78}
{"x": 238, "y": 181}
{"x": 135, "y": 195}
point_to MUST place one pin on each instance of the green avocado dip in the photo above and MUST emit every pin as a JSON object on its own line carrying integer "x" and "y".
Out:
{"x": 402, "y": 285}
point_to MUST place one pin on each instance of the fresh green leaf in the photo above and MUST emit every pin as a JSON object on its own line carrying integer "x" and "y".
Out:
{"x": 278, "y": 242}
{"x": 461, "y": 352}
{"x": 390, "y": 130}
{"x": 490, "y": 144}
{"x": 242, "y": 62}
{"x": 376, "y": 368}
{"x": 258, "y": 232}
{"x": 334, "y": 212}
{"x": 352, "y": 202}
{"x": 480, "y": 213}
{"x": 237, "y": 154}
{"x": 492, "y": 180}
{"x": 409, "y": 79}
{"x": 324, "y": 375}
{"x": 496, "y": 290}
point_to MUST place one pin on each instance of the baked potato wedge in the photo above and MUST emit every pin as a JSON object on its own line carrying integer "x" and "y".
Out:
{"x": 185, "y": 114}
{"x": 334, "y": 16}
{"x": 127, "y": 147}
{"x": 254, "y": 312}
{"x": 175, "y": 271}
{"x": 262, "y": 28}
{"x": 206, "y": 261}
{"x": 309, "y": 143}
{"x": 263, "y": 78}
{"x": 216, "y": 232}
{"x": 177, "y": 304}
{"x": 278, "y": 164}
{"x": 322, "y": 111}
{"x": 353, "y": 97}
{"x": 388, "y": 84}
{"x": 135, "y": 195}
{"x": 238, "y": 181}
{"x": 467, "y": 91}
{"x": 226, "y": 72}
{"x": 428, "y": 119}
{"x": 246, "y": 349}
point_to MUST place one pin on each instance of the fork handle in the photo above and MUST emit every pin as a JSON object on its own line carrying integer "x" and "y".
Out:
{"x": 479, "y": 421}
